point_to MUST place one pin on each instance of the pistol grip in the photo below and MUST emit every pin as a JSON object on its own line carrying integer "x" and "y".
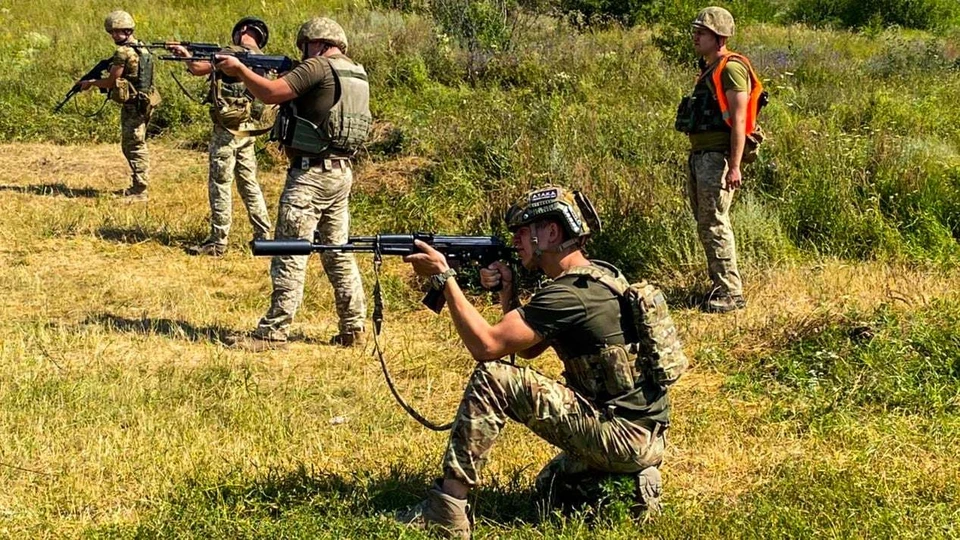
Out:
{"x": 434, "y": 300}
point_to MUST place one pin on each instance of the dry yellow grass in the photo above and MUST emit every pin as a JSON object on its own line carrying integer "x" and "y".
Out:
{"x": 114, "y": 390}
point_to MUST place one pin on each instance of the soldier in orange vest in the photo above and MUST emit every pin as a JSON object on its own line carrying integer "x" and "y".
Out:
{"x": 718, "y": 117}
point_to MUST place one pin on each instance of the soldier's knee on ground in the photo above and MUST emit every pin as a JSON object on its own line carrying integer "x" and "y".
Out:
{"x": 574, "y": 490}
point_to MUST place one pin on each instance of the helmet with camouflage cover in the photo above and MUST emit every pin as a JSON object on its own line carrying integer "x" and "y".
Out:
{"x": 322, "y": 29}
{"x": 257, "y": 24}
{"x": 571, "y": 208}
{"x": 716, "y": 19}
{"x": 118, "y": 20}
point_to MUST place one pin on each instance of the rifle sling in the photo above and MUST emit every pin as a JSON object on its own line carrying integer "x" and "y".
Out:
{"x": 377, "y": 325}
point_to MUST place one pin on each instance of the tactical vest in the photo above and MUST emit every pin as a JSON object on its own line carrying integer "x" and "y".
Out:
{"x": 707, "y": 108}
{"x": 652, "y": 353}
{"x": 233, "y": 107}
{"x": 144, "y": 83}
{"x": 137, "y": 88}
{"x": 347, "y": 124}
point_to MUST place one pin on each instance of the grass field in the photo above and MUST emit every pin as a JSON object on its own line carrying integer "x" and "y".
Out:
{"x": 830, "y": 407}
{"x": 827, "y": 408}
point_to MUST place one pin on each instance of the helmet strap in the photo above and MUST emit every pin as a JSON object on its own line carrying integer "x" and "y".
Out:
{"x": 538, "y": 251}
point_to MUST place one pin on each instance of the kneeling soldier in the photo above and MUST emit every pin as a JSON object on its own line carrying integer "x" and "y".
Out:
{"x": 613, "y": 412}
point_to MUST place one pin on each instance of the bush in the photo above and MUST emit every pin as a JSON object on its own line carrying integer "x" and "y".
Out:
{"x": 920, "y": 14}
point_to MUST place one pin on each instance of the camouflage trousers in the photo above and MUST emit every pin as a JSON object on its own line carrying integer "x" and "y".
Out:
{"x": 314, "y": 200}
{"x": 133, "y": 142}
{"x": 711, "y": 207}
{"x": 234, "y": 156}
{"x": 589, "y": 439}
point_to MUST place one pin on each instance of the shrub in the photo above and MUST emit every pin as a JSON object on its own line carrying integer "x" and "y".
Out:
{"x": 920, "y": 14}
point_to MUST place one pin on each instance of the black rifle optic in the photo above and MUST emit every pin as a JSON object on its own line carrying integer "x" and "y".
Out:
{"x": 95, "y": 73}
{"x": 265, "y": 62}
{"x": 459, "y": 250}
{"x": 192, "y": 46}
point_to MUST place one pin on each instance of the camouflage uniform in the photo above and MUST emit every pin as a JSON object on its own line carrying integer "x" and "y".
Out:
{"x": 316, "y": 194}
{"x": 711, "y": 202}
{"x": 229, "y": 153}
{"x": 706, "y": 122}
{"x": 133, "y": 122}
{"x": 590, "y": 439}
{"x": 314, "y": 200}
{"x": 233, "y": 153}
{"x": 597, "y": 432}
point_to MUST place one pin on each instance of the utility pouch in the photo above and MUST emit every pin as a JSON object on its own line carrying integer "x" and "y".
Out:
{"x": 751, "y": 147}
{"x": 297, "y": 133}
{"x": 618, "y": 370}
{"x": 686, "y": 120}
{"x": 124, "y": 92}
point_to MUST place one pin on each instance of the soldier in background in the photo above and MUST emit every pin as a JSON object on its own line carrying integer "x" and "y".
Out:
{"x": 324, "y": 119}
{"x": 719, "y": 117}
{"x": 237, "y": 119}
{"x": 612, "y": 414}
{"x": 130, "y": 82}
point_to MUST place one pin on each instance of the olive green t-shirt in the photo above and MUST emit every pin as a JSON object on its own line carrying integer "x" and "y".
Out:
{"x": 316, "y": 88}
{"x": 734, "y": 77}
{"x": 578, "y": 315}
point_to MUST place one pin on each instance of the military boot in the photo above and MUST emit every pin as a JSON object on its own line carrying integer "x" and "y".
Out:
{"x": 254, "y": 343}
{"x": 448, "y": 514}
{"x": 725, "y": 303}
{"x": 208, "y": 248}
{"x": 355, "y": 338}
{"x": 135, "y": 194}
{"x": 649, "y": 489}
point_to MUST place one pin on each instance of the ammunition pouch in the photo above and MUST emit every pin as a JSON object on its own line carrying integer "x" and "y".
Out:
{"x": 298, "y": 133}
{"x": 124, "y": 92}
{"x": 606, "y": 375}
{"x": 699, "y": 112}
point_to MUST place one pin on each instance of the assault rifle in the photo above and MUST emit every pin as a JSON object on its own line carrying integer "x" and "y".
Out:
{"x": 95, "y": 73}
{"x": 459, "y": 250}
{"x": 251, "y": 60}
{"x": 472, "y": 250}
{"x": 192, "y": 46}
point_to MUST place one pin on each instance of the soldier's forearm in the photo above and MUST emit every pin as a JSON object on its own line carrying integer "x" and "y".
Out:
{"x": 737, "y": 144}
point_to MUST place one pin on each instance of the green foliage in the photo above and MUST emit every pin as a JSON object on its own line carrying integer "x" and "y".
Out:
{"x": 921, "y": 14}
{"x": 883, "y": 361}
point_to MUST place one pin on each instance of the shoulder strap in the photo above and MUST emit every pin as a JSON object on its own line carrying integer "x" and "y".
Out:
{"x": 615, "y": 283}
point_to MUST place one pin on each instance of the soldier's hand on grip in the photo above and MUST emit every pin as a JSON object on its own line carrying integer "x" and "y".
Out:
{"x": 497, "y": 273}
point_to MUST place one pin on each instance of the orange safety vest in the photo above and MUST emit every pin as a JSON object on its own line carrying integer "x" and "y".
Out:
{"x": 756, "y": 88}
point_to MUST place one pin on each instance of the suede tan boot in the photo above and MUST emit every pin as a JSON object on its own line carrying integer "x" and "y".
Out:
{"x": 448, "y": 515}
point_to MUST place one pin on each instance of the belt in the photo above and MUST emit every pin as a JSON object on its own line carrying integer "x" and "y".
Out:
{"x": 701, "y": 152}
{"x": 327, "y": 164}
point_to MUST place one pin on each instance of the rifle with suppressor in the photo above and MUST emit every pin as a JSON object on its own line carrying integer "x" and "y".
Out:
{"x": 95, "y": 73}
{"x": 459, "y": 250}
{"x": 265, "y": 62}
{"x": 478, "y": 250}
{"x": 193, "y": 47}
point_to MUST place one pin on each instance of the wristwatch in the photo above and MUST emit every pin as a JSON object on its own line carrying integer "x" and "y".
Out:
{"x": 439, "y": 281}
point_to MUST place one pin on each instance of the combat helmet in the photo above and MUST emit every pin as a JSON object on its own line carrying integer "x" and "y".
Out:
{"x": 572, "y": 208}
{"x": 716, "y": 19}
{"x": 118, "y": 20}
{"x": 257, "y": 24}
{"x": 322, "y": 29}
